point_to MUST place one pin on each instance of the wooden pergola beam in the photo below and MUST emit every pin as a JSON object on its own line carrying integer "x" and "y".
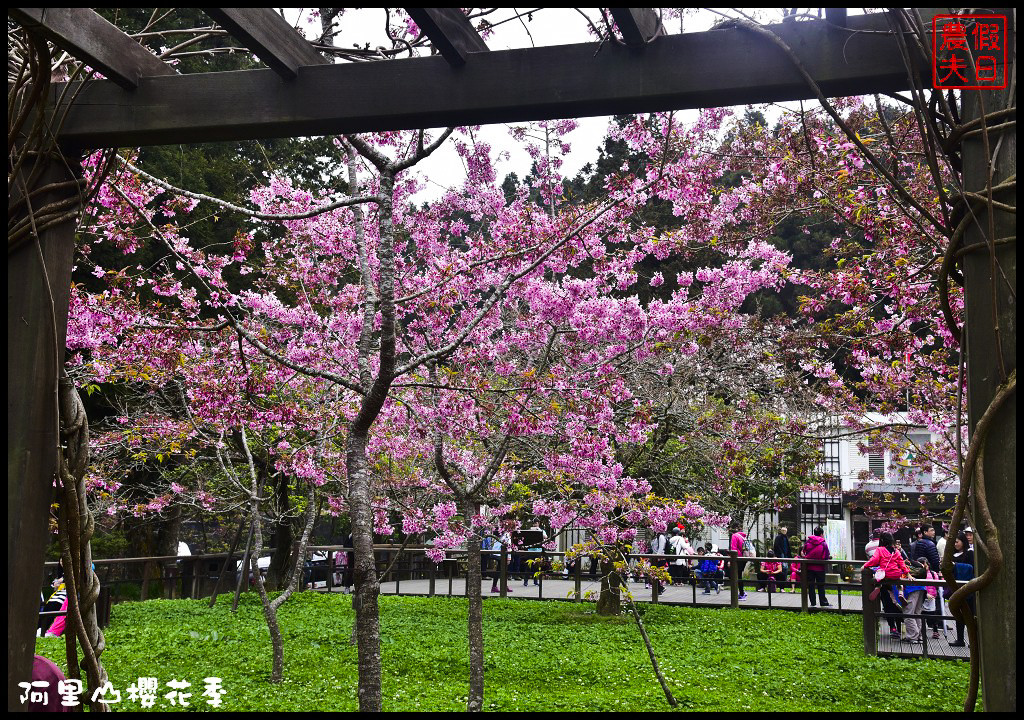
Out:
{"x": 836, "y": 16}
{"x": 723, "y": 67}
{"x": 270, "y": 38}
{"x": 638, "y": 25}
{"x": 450, "y": 32}
{"x": 90, "y": 38}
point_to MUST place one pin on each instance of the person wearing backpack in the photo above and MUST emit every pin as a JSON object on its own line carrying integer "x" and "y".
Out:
{"x": 817, "y": 549}
{"x": 679, "y": 568}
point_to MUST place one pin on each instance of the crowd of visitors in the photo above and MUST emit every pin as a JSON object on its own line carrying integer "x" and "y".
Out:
{"x": 903, "y": 604}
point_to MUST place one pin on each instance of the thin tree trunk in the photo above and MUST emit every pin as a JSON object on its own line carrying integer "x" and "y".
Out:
{"x": 270, "y": 607}
{"x": 650, "y": 652}
{"x": 475, "y": 700}
{"x": 367, "y": 590}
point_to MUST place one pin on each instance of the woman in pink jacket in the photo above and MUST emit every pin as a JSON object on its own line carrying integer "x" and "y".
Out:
{"x": 736, "y": 543}
{"x": 890, "y": 560}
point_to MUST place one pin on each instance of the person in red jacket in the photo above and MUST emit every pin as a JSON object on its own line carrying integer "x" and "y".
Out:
{"x": 817, "y": 549}
{"x": 890, "y": 560}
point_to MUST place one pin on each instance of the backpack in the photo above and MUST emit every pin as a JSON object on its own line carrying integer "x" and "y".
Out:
{"x": 916, "y": 569}
{"x": 748, "y": 549}
{"x": 487, "y": 544}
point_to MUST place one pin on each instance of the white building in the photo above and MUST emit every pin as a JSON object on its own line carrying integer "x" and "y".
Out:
{"x": 865, "y": 482}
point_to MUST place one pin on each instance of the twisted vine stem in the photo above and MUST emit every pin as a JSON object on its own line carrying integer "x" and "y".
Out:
{"x": 973, "y": 477}
{"x": 76, "y": 530}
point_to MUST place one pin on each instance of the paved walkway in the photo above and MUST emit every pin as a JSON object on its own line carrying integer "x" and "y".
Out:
{"x": 563, "y": 589}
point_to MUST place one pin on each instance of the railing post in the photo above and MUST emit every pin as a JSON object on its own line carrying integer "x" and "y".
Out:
{"x": 503, "y": 572}
{"x": 579, "y": 578}
{"x": 734, "y": 579}
{"x": 396, "y": 573}
{"x": 839, "y": 590}
{"x": 432, "y": 574}
{"x": 540, "y": 578}
{"x": 870, "y": 621}
{"x": 655, "y": 586}
{"x": 330, "y": 571}
{"x": 803, "y": 586}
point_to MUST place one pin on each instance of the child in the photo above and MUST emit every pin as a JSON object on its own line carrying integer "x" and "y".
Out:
{"x": 794, "y": 574}
{"x": 931, "y": 605}
{"x": 708, "y": 572}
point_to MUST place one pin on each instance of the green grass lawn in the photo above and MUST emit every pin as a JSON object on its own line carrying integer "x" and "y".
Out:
{"x": 539, "y": 656}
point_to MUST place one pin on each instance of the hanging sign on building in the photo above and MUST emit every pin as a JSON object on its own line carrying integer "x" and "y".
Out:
{"x": 837, "y": 535}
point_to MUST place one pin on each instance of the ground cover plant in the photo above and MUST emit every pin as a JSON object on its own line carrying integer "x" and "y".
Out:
{"x": 539, "y": 656}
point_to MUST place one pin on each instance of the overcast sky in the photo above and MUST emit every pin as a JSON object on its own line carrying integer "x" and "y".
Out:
{"x": 547, "y": 26}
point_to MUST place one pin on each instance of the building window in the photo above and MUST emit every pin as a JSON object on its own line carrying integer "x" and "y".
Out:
{"x": 876, "y": 464}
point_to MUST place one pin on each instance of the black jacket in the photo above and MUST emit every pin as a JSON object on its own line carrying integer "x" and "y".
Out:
{"x": 925, "y": 548}
{"x": 781, "y": 546}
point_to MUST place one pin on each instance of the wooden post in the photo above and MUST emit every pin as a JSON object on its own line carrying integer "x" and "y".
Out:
{"x": 432, "y": 574}
{"x": 503, "y": 571}
{"x": 38, "y": 271}
{"x": 579, "y": 579}
{"x": 734, "y": 579}
{"x": 655, "y": 586}
{"x": 803, "y": 586}
{"x": 868, "y": 617}
{"x": 396, "y": 574}
{"x": 990, "y": 287}
{"x": 540, "y": 578}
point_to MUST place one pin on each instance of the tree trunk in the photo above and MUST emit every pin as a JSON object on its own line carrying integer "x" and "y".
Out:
{"x": 277, "y": 573}
{"x": 270, "y": 607}
{"x": 650, "y": 654}
{"x": 475, "y": 701}
{"x": 269, "y": 612}
{"x": 610, "y": 601}
{"x": 367, "y": 590}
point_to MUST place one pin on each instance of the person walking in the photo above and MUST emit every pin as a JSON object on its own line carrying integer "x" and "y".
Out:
{"x": 914, "y": 597}
{"x": 738, "y": 544}
{"x": 817, "y": 549}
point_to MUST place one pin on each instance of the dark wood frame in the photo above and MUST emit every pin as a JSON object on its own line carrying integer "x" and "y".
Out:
{"x": 145, "y": 102}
